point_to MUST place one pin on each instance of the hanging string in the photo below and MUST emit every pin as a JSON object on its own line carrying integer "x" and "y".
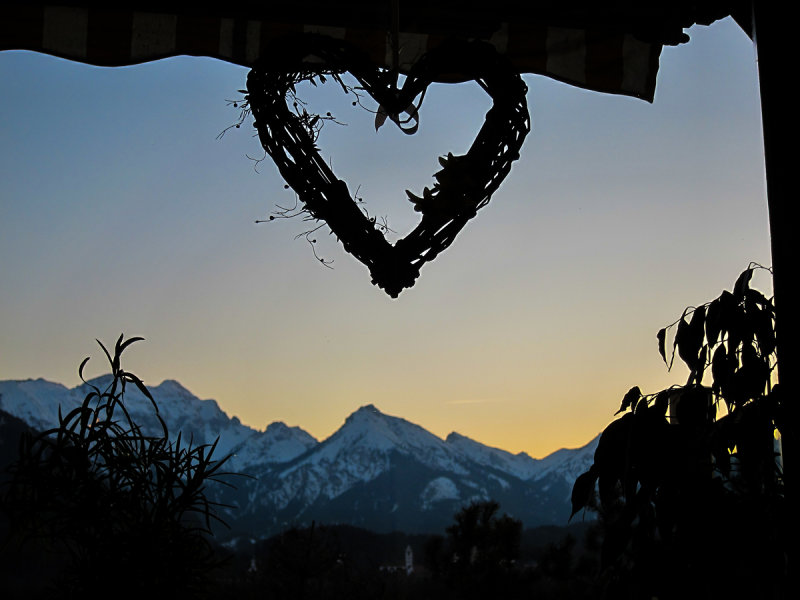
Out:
{"x": 394, "y": 25}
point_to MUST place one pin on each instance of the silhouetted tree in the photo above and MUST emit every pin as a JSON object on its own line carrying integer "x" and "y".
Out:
{"x": 435, "y": 557}
{"x": 481, "y": 536}
{"x": 301, "y": 563}
{"x": 481, "y": 551}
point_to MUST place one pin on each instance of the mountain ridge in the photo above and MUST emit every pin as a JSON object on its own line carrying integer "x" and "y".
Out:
{"x": 376, "y": 470}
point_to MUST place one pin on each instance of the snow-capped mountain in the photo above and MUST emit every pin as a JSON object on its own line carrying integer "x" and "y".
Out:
{"x": 384, "y": 473}
{"x": 37, "y": 401}
{"x": 376, "y": 471}
{"x": 359, "y": 452}
{"x": 520, "y": 465}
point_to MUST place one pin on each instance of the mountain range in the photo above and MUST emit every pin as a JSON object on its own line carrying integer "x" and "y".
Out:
{"x": 377, "y": 471}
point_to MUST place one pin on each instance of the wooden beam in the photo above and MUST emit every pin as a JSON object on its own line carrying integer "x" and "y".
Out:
{"x": 775, "y": 39}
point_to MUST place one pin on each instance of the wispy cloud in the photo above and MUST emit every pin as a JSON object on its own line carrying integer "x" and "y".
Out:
{"x": 476, "y": 401}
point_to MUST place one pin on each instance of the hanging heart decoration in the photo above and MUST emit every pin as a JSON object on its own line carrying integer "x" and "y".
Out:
{"x": 463, "y": 185}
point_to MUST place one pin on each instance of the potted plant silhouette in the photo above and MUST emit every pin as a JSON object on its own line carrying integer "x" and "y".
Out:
{"x": 687, "y": 482}
{"x": 120, "y": 511}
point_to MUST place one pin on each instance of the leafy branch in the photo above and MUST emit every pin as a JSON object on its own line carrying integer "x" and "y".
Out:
{"x": 678, "y": 469}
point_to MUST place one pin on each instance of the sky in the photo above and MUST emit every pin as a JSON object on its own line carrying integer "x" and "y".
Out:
{"x": 121, "y": 211}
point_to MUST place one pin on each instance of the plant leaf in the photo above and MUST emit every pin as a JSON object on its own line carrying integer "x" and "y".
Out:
{"x": 128, "y": 342}
{"x": 713, "y": 316}
{"x": 662, "y": 342}
{"x": 583, "y": 490}
{"x": 80, "y": 369}
{"x": 689, "y": 338}
{"x": 139, "y": 384}
{"x": 380, "y": 117}
{"x": 662, "y": 403}
{"x": 742, "y": 284}
{"x": 630, "y": 399}
{"x": 108, "y": 356}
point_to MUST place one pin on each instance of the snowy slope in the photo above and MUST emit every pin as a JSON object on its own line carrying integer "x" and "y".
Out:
{"x": 37, "y": 403}
{"x": 519, "y": 465}
{"x": 358, "y": 452}
{"x": 567, "y": 463}
{"x": 376, "y": 470}
{"x": 385, "y": 473}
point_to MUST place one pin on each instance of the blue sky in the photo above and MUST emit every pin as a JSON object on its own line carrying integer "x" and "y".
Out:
{"x": 120, "y": 211}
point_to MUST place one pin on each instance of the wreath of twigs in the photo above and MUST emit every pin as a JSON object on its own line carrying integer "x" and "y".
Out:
{"x": 463, "y": 185}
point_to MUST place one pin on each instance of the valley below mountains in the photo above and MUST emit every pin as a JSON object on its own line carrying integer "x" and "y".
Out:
{"x": 377, "y": 471}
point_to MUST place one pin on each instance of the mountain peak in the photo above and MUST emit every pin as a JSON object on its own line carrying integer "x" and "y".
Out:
{"x": 520, "y": 465}
{"x": 366, "y": 413}
{"x": 376, "y": 469}
{"x": 172, "y": 384}
{"x": 282, "y": 430}
{"x": 174, "y": 388}
{"x": 276, "y": 427}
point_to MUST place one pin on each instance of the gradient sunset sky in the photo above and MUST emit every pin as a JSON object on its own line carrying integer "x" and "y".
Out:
{"x": 120, "y": 211}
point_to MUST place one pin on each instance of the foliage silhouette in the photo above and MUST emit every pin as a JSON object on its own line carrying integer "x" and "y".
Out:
{"x": 303, "y": 563}
{"x": 119, "y": 510}
{"x": 478, "y": 558}
{"x": 341, "y": 561}
{"x": 480, "y": 536}
{"x": 690, "y": 484}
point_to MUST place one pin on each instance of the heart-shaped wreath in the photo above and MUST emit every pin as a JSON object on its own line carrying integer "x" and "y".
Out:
{"x": 465, "y": 183}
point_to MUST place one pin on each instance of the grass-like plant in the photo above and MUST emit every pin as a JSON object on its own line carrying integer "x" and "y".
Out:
{"x": 123, "y": 513}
